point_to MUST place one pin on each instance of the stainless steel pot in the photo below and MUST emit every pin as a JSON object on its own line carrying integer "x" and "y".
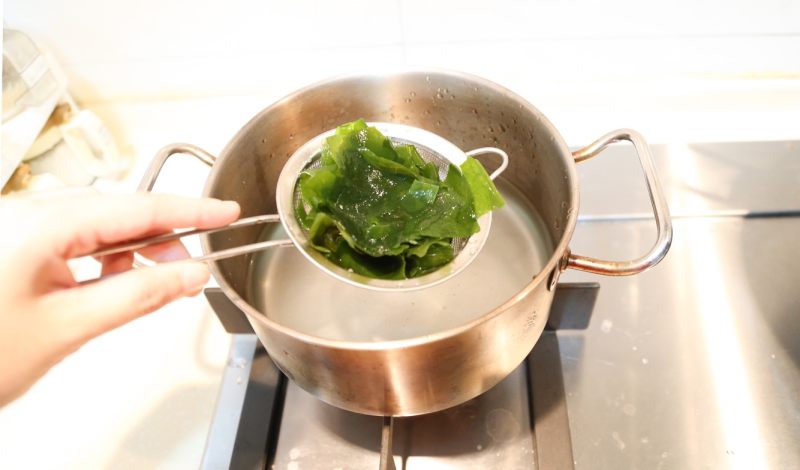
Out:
{"x": 434, "y": 371}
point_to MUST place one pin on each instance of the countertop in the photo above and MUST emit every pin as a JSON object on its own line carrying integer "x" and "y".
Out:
{"x": 692, "y": 364}
{"x": 143, "y": 395}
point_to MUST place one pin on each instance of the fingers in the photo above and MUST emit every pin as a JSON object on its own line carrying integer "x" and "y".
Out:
{"x": 116, "y": 263}
{"x": 91, "y": 221}
{"x": 84, "y": 312}
{"x": 172, "y": 250}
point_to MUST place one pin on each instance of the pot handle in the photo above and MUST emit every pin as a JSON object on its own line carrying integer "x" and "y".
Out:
{"x": 657, "y": 200}
{"x": 147, "y": 183}
{"x": 154, "y": 169}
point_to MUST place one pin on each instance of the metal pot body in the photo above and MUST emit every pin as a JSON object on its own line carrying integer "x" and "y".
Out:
{"x": 434, "y": 372}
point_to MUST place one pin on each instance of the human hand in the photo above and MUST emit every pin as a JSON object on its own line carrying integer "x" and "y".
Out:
{"x": 45, "y": 314}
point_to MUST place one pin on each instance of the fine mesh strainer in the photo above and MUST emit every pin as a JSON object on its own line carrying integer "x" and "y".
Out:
{"x": 431, "y": 147}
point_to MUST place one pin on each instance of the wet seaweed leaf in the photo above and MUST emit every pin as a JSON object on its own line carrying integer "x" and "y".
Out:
{"x": 380, "y": 210}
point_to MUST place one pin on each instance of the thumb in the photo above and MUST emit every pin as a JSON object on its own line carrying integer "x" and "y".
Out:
{"x": 88, "y": 311}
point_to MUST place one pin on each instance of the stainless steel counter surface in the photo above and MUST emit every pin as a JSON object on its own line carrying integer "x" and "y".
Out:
{"x": 697, "y": 178}
{"x": 694, "y": 364}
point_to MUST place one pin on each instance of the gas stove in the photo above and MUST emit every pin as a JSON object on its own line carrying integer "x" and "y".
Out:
{"x": 263, "y": 420}
{"x": 693, "y": 364}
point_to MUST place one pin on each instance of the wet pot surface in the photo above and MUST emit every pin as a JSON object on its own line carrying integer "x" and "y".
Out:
{"x": 405, "y": 353}
{"x": 420, "y": 352}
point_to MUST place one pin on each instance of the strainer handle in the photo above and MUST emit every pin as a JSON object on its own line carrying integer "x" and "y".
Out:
{"x": 493, "y": 150}
{"x": 147, "y": 183}
{"x": 657, "y": 200}
{"x": 235, "y": 251}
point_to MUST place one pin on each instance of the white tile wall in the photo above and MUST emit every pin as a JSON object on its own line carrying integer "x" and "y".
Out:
{"x": 151, "y": 49}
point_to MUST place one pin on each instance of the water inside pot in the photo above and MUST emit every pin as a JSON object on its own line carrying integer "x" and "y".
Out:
{"x": 291, "y": 291}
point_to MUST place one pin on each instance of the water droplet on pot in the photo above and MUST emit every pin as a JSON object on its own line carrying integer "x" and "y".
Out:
{"x": 413, "y": 94}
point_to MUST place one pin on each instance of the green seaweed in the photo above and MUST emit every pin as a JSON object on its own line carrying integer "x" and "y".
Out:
{"x": 381, "y": 211}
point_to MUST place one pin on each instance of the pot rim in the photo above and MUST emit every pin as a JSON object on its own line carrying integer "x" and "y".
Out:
{"x": 553, "y": 263}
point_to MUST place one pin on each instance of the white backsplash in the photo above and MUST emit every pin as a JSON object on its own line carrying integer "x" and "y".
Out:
{"x": 172, "y": 49}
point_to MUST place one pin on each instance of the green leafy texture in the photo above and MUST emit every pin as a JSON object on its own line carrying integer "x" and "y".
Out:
{"x": 381, "y": 211}
{"x": 419, "y": 196}
{"x": 485, "y": 196}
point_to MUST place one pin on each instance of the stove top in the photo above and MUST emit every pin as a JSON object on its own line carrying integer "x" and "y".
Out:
{"x": 263, "y": 420}
{"x": 693, "y": 364}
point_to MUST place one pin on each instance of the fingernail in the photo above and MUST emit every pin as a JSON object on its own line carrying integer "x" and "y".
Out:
{"x": 195, "y": 276}
{"x": 229, "y": 206}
